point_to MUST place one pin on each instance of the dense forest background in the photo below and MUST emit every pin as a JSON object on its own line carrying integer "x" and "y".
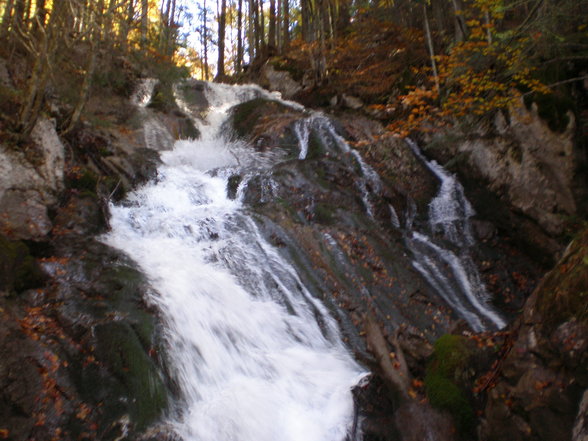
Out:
{"x": 409, "y": 61}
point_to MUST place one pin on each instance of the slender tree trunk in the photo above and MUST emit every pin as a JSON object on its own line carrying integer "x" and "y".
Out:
{"x": 19, "y": 14}
{"x": 108, "y": 21}
{"x": 125, "y": 26}
{"x": 343, "y": 17}
{"x": 271, "y": 37}
{"x": 171, "y": 31}
{"x": 7, "y": 17}
{"x": 279, "y": 23}
{"x": 460, "y": 26}
{"x": 286, "y": 28}
{"x": 222, "y": 19}
{"x": 305, "y": 16}
{"x": 262, "y": 42}
{"x": 95, "y": 43}
{"x": 251, "y": 31}
{"x": 144, "y": 21}
{"x": 239, "y": 60}
{"x": 41, "y": 13}
{"x": 205, "y": 40}
{"x": 431, "y": 49}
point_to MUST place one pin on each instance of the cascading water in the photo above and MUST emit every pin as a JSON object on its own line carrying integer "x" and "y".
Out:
{"x": 257, "y": 357}
{"x": 453, "y": 275}
{"x": 318, "y": 124}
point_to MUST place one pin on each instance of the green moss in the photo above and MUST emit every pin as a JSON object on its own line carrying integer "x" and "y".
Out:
{"x": 564, "y": 293}
{"x": 324, "y": 214}
{"x": 85, "y": 180}
{"x": 163, "y": 98}
{"x": 246, "y": 115}
{"x": 121, "y": 351}
{"x": 444, "y": 373}
{"x": 18, "y": 269}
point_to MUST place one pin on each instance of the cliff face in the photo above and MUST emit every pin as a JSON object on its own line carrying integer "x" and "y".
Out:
{"x": 525, "y": 177}
{"x": 540, "y": 393}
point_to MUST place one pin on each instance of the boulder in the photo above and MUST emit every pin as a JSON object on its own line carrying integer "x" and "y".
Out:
{"x": 280, "y": 81}
{"x": 30, "y": 182}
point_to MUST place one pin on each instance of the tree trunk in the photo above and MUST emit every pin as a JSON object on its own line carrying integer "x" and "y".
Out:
{"x": 125, "y": 27}
{"x": 251, "y": 31}
{"x": 220, "y": 71}
{"x": 144, "y": 21}
{"x": 204, "y": 34}
{"x": 271, "y": 38}
{"x": 286, "y": 38}
{"x": 7, "y": 17}
{"x": 460, "y": 26}
{"x": 431, "y": 49}
{"x": 239, "y": 60}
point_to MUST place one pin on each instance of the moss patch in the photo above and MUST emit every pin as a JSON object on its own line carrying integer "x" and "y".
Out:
{"x": 564, "y": 294}
{"x": 442, "y": 382}
{"x": 18, "y": 269}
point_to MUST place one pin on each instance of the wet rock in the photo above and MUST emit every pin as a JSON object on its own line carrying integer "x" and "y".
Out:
{"x": 580, "y": 432}
{"x": 351, "y": 102}
{"x": 543, "y": 376}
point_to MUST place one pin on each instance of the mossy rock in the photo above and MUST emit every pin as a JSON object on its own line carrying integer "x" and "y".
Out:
{"x": 444, "y": 381}
{"x": 564, "y": 292}
{"x": 163, "y": 98}
{"x": 246, "y": 115}
{"x": 18, "y": 268}
{"x": 324, "y": 214}
{"x": 120, "y": 350}
{"x": 82, "y": 180}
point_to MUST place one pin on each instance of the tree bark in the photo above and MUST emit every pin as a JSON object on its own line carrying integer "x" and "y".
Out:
{"x": 286, "y": 28}
{"x": 144, "y": 21}
{"x": 431, "y": 49}
{"x": 271, "y": 38}
{"x": 239, "y": 60}
{"x": 7, "y": 17}
{"x": 222, "y": 19}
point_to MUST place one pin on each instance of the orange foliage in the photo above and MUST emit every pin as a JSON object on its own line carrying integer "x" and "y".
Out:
{"x": 479, "y": 75}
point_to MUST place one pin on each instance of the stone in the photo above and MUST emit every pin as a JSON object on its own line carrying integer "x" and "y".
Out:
{"x": 351, "y": 102}
{"x": 280, "y": 81}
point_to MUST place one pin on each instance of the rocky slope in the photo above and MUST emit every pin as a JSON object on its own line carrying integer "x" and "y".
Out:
{"x": 81, "y": 350}
{"x": 80, "y": 346}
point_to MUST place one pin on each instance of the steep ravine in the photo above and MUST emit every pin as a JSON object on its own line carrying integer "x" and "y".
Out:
{"x": 83, "y": 355}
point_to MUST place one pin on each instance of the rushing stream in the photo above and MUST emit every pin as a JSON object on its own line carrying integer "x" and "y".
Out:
{"x": 453, "y": 274}
{"x": 256, "y": 357}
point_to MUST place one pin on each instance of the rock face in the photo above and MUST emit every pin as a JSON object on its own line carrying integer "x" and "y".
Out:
{"x": 80, "y": 349}
{"x": 30, "y": 182}
{"x": 541, "y": 382}
{"x": 331, "y": 217}
{"x": 529, "y": 168}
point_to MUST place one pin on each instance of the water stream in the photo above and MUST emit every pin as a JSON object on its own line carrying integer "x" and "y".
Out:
{"x": 256, "y": 356}
{"x": 443, "y": 253}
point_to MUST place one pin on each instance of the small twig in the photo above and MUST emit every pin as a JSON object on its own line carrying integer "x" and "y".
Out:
{"x": 559, "y": 83}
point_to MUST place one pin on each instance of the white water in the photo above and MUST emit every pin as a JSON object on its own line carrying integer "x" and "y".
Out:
{"x": 322, "y": 127}
{"x": 453, "y": 275}
{"x": 257, "y": 358}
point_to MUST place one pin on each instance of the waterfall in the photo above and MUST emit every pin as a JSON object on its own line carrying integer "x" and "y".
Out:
{"x": 452, "y": 274}
{"x": 369, "y": 182}
{"x": 255, "y": 355}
